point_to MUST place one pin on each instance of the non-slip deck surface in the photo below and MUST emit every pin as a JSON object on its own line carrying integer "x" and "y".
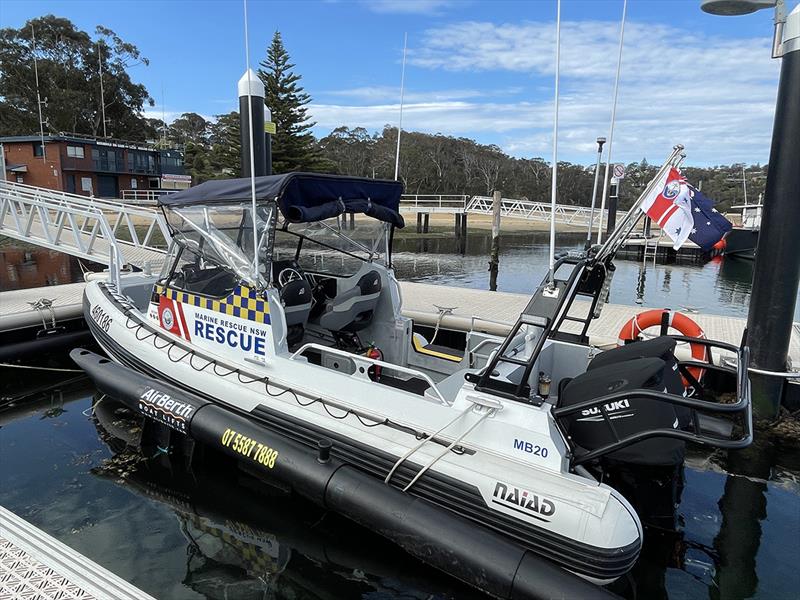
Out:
{"x": 16, "y": 308}
{"x": 34, "y": 565}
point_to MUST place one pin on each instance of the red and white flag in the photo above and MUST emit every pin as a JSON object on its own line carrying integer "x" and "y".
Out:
{"x": 669, "y": 205}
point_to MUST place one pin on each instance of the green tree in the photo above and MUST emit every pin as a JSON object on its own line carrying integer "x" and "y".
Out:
{"x": 226, "y": 145}
{"x": 293, "y": 146}
{"x": 189, "y": 127}
{"x": 68, "y": 60}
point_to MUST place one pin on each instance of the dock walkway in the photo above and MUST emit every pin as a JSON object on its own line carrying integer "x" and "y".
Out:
{"x": 37, "y": 566}
{"x": 496, "y": 312}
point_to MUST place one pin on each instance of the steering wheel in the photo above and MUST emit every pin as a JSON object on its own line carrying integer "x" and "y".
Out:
{"x": 288, "y": 275}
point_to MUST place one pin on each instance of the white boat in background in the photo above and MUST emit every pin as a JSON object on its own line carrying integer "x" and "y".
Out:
{"x": 742, "y": 240}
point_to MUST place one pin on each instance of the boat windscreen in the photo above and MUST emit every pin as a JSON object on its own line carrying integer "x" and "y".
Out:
{"x": 223, "y": 234}
{"x": 362, "y": 238}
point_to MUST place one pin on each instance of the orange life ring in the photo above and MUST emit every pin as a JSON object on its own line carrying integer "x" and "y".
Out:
{"x": 653, "y": 318}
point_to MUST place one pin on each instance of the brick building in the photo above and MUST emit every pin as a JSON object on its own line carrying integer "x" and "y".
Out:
{"x": 85, "y": 165}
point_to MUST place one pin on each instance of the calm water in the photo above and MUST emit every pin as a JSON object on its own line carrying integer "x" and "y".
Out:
{"x": 730, "y": 531}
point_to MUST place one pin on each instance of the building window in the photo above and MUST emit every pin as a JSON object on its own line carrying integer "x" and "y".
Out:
{"x": 134, "y": 183}
{"x": 37, "y": 149}
{"x": 75, "y": 151}
{"x": 86, "y": 184}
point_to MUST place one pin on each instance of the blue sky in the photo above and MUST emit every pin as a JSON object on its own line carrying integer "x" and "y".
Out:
{"x": 477, "y": 69}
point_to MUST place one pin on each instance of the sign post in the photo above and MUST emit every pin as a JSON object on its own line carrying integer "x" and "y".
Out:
{"x": 613, "y": 197}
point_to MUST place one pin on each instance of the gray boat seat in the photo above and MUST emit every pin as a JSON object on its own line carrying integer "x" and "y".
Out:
{"x": 296, "y": 299}
{"x": 351, "y": 310}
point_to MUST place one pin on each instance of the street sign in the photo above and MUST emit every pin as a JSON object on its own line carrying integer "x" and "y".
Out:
{"x": 619, "y": 170}
{"x": 270, "y": 127}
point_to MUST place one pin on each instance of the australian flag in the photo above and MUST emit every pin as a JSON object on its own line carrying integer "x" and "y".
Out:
{"x": 709, "y": 224}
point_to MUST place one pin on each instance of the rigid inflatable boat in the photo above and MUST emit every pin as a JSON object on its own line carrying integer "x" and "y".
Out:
{"x": 290, "y": 319}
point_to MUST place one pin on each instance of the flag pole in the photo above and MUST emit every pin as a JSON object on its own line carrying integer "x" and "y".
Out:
{"x": 613, "y": 119}
{"x": 554, "y": 182}
{"x": 400, "y": 124}
{"x": 633, "y": 215}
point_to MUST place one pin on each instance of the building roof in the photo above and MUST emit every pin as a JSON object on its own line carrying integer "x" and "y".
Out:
{"x": 78, "y": 139}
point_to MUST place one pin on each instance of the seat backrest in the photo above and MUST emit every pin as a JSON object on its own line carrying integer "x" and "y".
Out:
{"x": 296, "y": 299}
{"x": 352, "y": 310}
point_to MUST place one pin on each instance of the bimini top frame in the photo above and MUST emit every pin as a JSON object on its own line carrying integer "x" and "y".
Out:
{"x": 213, "y": 219}
{"x": 302, "y": 197}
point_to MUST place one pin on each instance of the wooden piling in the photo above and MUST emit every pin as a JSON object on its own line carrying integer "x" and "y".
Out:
{"x": 494, "y": 256}
{"x": 426, "y": 221}
{"x": 419, "y": 222}
{"x": 463, "y": 240}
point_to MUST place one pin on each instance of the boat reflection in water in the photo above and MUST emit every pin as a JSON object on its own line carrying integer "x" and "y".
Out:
{"x": 246, "y": 539}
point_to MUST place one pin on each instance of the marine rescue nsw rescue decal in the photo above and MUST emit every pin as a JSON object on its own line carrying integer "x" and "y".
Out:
{"x": 234, "y": 325}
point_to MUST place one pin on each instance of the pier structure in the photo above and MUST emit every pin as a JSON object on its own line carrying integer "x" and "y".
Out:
{"x": 35, "y": 565}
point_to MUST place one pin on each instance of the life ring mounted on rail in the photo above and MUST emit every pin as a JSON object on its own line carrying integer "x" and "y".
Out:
{"x": 665, "y": 318}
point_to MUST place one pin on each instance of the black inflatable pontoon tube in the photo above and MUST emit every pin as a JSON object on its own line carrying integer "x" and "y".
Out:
{"x": 469, "y": 552}
{"x": 44, "y": 344}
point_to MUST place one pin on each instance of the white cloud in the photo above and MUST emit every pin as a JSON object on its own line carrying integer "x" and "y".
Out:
{"x": 715, "y": 95}
{"x": 388, "y": 93}
{"x": 425, "y": 7}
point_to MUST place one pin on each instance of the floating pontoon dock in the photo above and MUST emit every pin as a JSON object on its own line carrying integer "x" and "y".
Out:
{"x": 35, "y": 565}
{"x": 496, "y": 312}
{"x": 40, "y": 306}
{"x": 493, "y": 312}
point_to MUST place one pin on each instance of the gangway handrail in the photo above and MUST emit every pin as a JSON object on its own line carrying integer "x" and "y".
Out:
{"x": 75, "y": 224}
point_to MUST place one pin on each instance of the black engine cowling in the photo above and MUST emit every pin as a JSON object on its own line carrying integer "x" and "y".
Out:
{"x": 647, "y": 365}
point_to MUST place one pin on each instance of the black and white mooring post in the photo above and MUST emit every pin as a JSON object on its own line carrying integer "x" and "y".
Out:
{"x": 255, "y": 88}
{"x": 776, "y": 273}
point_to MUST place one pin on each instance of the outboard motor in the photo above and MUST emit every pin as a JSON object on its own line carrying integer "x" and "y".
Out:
{"x": 648, "y": 365}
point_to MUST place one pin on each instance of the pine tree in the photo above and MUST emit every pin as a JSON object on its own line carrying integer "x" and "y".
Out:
{"x": 293, "y": 146}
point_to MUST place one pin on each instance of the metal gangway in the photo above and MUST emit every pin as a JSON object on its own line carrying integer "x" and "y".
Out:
{"x": 109, "y": 232}
{"x": 433, "y": 203}
{"x": 535, "y": 211}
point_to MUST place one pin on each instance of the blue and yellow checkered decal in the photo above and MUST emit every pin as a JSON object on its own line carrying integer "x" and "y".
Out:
{"x": 243, "y": 302}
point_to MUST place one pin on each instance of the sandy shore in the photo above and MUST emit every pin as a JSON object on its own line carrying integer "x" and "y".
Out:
{"x": 485, "y": 222}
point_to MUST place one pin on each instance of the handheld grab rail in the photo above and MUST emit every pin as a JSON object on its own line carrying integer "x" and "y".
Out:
{"x": 372, "y": 361}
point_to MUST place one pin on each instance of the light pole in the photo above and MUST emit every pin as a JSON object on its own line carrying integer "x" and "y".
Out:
{"x": 776, "y": 273}
{"x": 600, "y": 142}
